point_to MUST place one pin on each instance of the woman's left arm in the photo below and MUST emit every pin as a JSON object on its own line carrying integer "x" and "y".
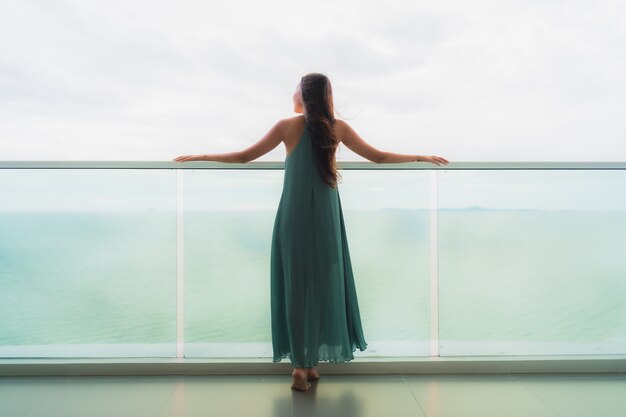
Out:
{"x": 272, "y": 139}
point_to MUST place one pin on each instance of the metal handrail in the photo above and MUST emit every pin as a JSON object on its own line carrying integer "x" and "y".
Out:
{"x": 348, "y": 165}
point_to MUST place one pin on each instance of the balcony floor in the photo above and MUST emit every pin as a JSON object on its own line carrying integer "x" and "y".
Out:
{"x": 466, "y": 395}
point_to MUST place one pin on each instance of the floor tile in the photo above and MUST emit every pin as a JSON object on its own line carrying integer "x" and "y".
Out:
{"x": 579, "y": 395}
{"x": 20, "y": 394}
{"x": 475, "y": 396}
{"x": 96, "y": 396}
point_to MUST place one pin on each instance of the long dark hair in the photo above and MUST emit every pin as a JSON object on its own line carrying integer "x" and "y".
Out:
{"x": 317, "y": 95}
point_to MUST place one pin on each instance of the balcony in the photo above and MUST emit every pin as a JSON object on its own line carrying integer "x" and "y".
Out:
{"x": 486, "y": 289}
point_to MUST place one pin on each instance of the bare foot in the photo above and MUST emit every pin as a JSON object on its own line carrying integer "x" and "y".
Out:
{"x": 299, "y": 381}
{"x": 312, "y": 374}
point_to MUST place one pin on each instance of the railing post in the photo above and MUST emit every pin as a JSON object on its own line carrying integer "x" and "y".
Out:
{"x": 434, "y": 271}
{"x": 180, "y": 287}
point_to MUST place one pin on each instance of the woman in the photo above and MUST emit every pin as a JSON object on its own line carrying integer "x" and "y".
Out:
{"x": 315, "y": 313}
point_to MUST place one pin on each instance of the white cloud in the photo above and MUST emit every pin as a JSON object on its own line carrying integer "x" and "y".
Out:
{"x": 471, "y": 81}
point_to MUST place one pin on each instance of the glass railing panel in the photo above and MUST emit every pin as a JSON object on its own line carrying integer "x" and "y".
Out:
{"x": 532, "y": 262}
{"x": 229, "y": 217}
{"x": 387, "y": 215}
{"x": 87, "y": 263}
{"x": 228, "y": 220}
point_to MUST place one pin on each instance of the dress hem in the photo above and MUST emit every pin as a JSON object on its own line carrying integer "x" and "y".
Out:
{"x": 322, "y": 359}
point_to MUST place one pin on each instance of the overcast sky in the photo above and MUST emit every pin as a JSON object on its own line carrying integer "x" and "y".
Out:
{"x": 468, "y": 80}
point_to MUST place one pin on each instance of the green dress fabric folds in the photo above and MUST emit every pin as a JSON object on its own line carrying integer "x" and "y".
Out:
{"x": 314, "y": 308}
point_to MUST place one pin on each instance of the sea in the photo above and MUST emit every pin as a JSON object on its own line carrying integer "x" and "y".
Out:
{"x": 451, "y": 282}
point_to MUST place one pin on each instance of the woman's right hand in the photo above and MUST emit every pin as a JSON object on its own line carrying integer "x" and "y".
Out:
{"x": 188, "y": 158}
{"x": 432, "y": 159}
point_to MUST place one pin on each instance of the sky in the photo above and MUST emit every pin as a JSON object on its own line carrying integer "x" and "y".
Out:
{"x": 138, "y": 80}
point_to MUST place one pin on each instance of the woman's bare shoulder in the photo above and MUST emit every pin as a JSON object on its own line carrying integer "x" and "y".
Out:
{"x": 341, "y": 127}
{"x": 293, "y": 119}
{"x": 292, "y": 123}
{"x": 296, "y": 123}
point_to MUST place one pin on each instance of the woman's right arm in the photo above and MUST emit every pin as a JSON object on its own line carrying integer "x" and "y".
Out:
{"x": 269, "y": 141}
{"x": 356, "y": 144}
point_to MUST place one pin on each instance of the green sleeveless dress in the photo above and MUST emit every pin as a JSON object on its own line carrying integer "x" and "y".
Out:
{"x": 314, "y": 307}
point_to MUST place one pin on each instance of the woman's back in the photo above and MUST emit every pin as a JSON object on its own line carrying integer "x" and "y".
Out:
{"x": 293, "y": 128}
